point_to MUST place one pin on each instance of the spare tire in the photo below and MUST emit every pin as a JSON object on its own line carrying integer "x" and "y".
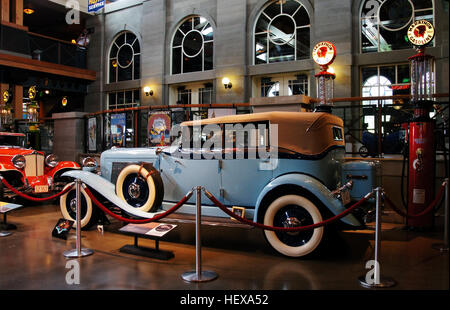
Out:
{"x": 141, "y": 187}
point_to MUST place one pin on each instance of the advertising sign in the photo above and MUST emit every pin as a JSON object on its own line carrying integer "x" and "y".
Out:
{"x": 95, "y": 5}
{"x": 92, "y": 134}
{"x": 421, "y": 32}
{"x": 118, "y": 127}
{"x": 159, "y": 125}
{"x": 324, "y": 53}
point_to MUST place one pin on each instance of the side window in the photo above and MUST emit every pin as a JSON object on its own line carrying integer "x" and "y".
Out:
{"x": 338, "y": 134}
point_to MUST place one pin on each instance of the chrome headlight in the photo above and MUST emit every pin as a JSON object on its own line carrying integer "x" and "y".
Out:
{"x": 19, "y": 161}
{"x": 89, "y": 162}
{"x": 51, "y": 160}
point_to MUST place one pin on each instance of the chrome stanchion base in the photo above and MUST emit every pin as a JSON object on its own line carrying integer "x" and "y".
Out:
{"x": 440, "y": 247}
{"x": 5, "y": 233}
{"x": 384, "y": 282}
{"x": 205, "y": 276}
{"x": 74, "y": 253}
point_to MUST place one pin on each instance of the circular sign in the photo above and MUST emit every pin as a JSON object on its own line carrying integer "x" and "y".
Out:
{"x": 421, "y": 32}
{"x": 6, "y": 96}
{"x": 32, "y": 92}
{"x": 324, "y": 53}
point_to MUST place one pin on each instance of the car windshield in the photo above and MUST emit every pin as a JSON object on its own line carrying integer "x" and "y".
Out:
{"x": 18, "y": 141}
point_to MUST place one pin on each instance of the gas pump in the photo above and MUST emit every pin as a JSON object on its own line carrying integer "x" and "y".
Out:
{"x": 324, "y": 53}
{"x": 422, "y": 160}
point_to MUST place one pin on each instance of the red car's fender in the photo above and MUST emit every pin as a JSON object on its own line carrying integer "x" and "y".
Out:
{"x": 63, "y": 165}
{"x": 9, "y": 167}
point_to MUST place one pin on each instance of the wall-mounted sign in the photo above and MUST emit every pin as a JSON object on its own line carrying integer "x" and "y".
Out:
{"x": 118, "y": 128}
{"x": 92, "y": 133}
{"x": 95, "y": 5}
{"x": 324, "y": 53}
{"x": 421, "y": 32}
{"x": 32, "y": 93}
{"x": 159, "y": 124}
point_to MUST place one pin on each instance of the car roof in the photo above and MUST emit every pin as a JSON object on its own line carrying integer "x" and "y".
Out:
{"x": 306, "y": 133}
{"x": 273, "y": 117}
{"x": 12, "y": 134}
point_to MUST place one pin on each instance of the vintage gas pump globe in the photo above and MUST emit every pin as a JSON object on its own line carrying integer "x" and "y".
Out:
{"x": 324, "y": 54}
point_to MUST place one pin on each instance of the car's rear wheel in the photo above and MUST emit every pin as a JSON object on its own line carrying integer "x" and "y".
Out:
{"x": 293, "y": 211}
{"x": 68, "y": 205}
{"x": 140, "y": 188}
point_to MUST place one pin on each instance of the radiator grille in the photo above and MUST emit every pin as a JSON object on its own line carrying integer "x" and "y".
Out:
{"x": 35, "y": 165}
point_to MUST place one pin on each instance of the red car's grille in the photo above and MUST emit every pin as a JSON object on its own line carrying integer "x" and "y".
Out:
{"x": 35, "y": 165}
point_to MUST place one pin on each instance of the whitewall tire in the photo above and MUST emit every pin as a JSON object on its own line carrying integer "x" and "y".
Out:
{"x": 140, "y": 188}
{"x": 67, "y": 203}
{"x": 293, "y": 211}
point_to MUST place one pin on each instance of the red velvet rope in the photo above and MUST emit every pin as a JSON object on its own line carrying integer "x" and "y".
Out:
{"x": 422, "y": 213}
{"x": 65, "y": 191}
{"x": 286, "y": 229}
{"x": 131, "y": 221}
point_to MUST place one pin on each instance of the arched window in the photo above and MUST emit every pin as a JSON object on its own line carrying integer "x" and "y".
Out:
{"x": 125, "y": 58}
{"x": 384, "y": 23}
{"x": 193, "y": 46}
{"x": 282, "y": 32}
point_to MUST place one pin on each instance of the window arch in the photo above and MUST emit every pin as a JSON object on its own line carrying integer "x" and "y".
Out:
{"x": 125, "y": 58}
{"x": 282, "y": 32}
{"x": 384, "y": 23}
{"x": 193, "y": 46}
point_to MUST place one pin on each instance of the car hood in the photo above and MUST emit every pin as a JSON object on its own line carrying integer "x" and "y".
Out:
{"x": 13, "y": 151}
{"x": 123, "y": 153}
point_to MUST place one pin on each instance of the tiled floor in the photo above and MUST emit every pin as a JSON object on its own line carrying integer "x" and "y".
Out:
{"x": 32, "y": 259}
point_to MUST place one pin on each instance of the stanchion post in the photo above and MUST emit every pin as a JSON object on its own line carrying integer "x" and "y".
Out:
{"x": 443, "y": 247}
{"x": 378, "y": 281}
{"x": 199, "y": 275}
{"x": 79, "y": 251}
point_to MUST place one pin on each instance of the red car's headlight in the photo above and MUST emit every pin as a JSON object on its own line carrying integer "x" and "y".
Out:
{"x": 19, "y": 161}
{"x": 51, "y": 160}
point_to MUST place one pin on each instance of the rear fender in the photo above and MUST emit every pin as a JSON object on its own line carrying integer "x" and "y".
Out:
{"x": 313, "y": 186}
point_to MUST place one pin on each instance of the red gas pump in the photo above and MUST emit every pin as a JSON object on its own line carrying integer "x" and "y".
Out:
{"x": 422, "y": 154}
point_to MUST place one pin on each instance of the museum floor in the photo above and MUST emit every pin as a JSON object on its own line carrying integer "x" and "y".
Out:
{"x": 32, "y": 259}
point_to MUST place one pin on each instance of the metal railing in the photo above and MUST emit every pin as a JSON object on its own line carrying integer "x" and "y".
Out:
{"x": 57, "y": 51}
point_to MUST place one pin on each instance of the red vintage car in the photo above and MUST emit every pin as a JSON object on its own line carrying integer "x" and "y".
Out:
{"x": 29, "y": 171}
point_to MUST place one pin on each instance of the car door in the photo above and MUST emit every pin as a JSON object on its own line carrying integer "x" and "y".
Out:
{"x": 183, "y": 169}
{"x": 242, "y": 179}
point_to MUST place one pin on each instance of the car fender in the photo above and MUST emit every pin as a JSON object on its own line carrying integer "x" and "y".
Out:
{"x": 64, "y": 165}
{"x": 312, "y": 185}
{"x": 8, "y": 167}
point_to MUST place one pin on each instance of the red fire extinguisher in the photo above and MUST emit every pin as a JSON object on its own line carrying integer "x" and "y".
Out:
{"x": 422, "y": 163}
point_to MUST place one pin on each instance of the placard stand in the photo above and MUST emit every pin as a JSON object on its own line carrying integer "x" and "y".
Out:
{"x": 136, "y": 249}
{"x": 4, "y": 226}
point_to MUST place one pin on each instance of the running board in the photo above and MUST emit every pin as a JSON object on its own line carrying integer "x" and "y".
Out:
{"x": 206, "y": 220}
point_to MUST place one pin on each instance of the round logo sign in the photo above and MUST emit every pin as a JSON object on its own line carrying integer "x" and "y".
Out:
{"x": 32, "y": 92}
{"x": 420, "y": 32}
{"x": 324, "y": 53}
{"x": 6, "y": 96}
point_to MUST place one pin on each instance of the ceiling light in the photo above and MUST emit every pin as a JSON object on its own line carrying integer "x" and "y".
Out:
{"x": 28, "y": 11}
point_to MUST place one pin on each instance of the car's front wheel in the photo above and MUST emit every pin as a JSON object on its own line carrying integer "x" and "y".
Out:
{"x": 68, "y": 206}
{"x": 293, "y": 211}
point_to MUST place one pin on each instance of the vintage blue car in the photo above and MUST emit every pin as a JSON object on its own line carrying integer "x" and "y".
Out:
{"x": 299, "y": 178}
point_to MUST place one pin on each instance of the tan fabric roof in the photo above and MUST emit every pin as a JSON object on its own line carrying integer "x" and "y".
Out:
{"x": 302, "y": 132}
